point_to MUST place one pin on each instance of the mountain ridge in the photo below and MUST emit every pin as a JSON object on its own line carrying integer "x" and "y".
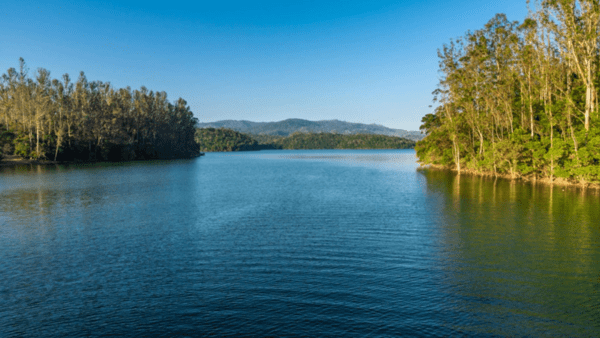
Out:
{"x": 290, "y": 126}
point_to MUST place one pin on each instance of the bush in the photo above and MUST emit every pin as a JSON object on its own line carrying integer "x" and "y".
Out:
{"x": 22, "y": 149}
{"x": 7, "y": 149}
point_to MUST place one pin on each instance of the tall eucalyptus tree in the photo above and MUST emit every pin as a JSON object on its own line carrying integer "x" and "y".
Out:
{"x": 54, "y": 119}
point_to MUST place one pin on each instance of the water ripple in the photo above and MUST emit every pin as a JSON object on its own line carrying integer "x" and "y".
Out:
{"x": 293, "y": 243}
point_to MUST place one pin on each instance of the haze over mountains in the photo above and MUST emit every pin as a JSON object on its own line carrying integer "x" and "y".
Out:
{"x": 290, "y": 126}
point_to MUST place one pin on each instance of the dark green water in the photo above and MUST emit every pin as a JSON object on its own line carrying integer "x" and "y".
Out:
{"x": 293, "y": 243}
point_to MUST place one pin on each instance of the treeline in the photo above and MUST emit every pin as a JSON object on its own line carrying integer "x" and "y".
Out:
{"x": 521, "y": 99}
{"x": 266, "y": 139}
{"x": 221, "y": 139}
{"x": 58, "y": 119}
{"x": 211, "y": 139}
{"x": 342, "y": 141}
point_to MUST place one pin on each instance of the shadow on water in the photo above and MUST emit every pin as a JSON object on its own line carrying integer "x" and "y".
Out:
{"x": 522, "y": 258}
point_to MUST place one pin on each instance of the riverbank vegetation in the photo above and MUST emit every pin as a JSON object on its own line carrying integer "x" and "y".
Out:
{"x": 521, "y": 99}
{"x": 212, "y": 139}
{"x": 42, "y": 118}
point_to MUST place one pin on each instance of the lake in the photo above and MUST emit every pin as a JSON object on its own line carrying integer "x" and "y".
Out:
{"x": 352, "y": 243}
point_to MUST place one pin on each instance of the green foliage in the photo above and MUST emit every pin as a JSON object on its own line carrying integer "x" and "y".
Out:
{"x": 22, "y": 149}
{"x": 262, "y": 131}
{"x": 266, "y": 140}
{"x": 6, "y": 142}
{"x": 435, "y": 148}
{"x": 510, "y": 103}
{"x": 339, "y": 141}
{"x": 430, "y": 122}
{"x": 211, "y": 139}
{"x": 68, "y": 121}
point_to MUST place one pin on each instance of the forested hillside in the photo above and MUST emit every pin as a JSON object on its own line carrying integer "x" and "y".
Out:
{"x": 58, "y": 119}
{"x": 212, "y": 139}
{"x": 521, "y": 99}
{"x": 337, "y": 141}
{"x": 221, "y": 139}
{"x": 290, "y": 126}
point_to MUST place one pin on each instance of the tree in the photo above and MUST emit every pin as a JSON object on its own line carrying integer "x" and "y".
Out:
{"x": 575, "y": 25}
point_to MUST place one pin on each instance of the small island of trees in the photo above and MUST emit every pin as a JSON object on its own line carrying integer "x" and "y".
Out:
{"x": 42, "y": 118}
{"x": 521, "y": 99}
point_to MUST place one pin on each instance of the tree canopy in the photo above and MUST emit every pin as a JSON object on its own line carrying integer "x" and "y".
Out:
{"x": 58, "y": 119}
{"x": 222, "y": 139}
{"x": 521, "y": 98}
{"x": 342, "y": 141}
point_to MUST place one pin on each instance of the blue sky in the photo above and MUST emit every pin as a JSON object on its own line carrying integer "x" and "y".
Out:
{"x": 357, "y": 61}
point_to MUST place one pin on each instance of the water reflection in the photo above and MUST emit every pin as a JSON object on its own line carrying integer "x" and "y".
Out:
{"x": 523, "y": 258}
{"x": 268, "y": 245}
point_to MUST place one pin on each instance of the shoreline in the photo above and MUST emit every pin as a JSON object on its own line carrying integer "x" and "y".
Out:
{"x": 251, "y": 150}
{"x": 560, "y": 182}
{"x": 13, "y": 160}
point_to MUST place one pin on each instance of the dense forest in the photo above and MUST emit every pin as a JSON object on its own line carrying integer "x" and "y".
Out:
{"x": 521, "y": 99}
{"x": 290, "y": 126}
{"x": 58, "y": 119}
{"x": 340, "y": 141}
{"x": 266, "y": 139}
{"x": 212, "y": 139}
{"x": 221, "y": 139}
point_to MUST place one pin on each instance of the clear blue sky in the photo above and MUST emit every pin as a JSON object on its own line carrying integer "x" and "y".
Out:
{"x": 358, "y": 61}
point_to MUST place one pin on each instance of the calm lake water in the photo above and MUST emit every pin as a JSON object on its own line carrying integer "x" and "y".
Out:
{"x": 293, "y": 243}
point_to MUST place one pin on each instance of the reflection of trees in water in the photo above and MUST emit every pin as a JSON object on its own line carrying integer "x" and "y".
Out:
{"x": 42, "y": 206}
{"x": 525, "y": 256}
{"x": 38, "y": 200}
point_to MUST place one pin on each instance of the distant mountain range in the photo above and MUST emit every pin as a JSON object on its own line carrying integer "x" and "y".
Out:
{"x": 290, "y": 126}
